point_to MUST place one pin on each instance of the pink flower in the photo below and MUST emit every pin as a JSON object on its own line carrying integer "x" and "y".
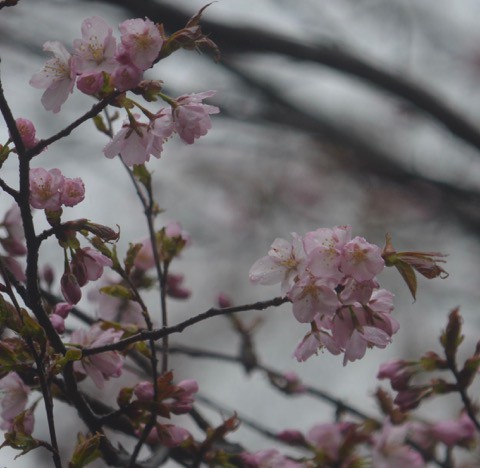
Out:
{"x": 126, "y": 76}
{"x": 136, "y": 141}
{"x": 390, "y": 449}
{"x": 115, "y": 309}
{"x": 73, "y": 192}
{"x": 14, "y": 394}
{"x": 95, "y": 52}
{"x": 192, "y": 117}
{"x": 27, "y": 132}
{"x": 99, "y": 367}
{"x": 87, "y": 265}
{"x": 57, "y": 77}
{"x": 183, "y": 398}
{"x": 58, "y": 323}
{"x": 144, "y": 391}
{"x": 459, "y": 431}
{"x": 324, "y": 248}
{"x": 310, "y": 296}
{"x": 46, "y": 188}
{"x": 175, "y": 287}
{"x": 361, "y": 260}
{"x": 141, "y": 40}
{"x": 330, "y": 437}
{"x": 144, "y": 259}
{"x": 283, "y": 263}
{"x": 312, "y": 342}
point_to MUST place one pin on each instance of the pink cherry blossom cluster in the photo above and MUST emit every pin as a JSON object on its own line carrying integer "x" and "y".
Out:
{"x": 49, "y": 190}
{"x": 136, "y": 141}
{"x": 330, "y": 280}
{"x": 98, "y": 62}
{"x": 96, "y": 59}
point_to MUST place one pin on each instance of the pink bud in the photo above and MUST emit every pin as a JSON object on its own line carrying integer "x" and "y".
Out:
{"x": 70, "y": 288}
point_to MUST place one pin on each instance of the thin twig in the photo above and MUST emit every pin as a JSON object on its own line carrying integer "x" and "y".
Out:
{"x": 161, "y": 332}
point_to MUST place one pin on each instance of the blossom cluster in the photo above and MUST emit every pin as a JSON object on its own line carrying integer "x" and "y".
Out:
{"x": 98, "y": 63}
{"x": 330, "y": 278}
{"x": 49, "y": 190}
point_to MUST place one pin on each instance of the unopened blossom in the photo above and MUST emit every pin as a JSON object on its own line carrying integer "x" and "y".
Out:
{"x": 46, "y": 188}
{"x": 57, "y": 77}
{"x": 141, "y": 40}
{"x": 14, "y": 397}
{"x": 191, "y": 117}
{"x": 73, "y": 192}
{"x": 283, "y": 263}
{"x": 95, "y": 52}
{"x": 391, "y": 451}
{"x": 361, "y": 260}
{"x": 27, "y": 132}
{"x": 90, "y": 83}
{"x": 99, "y": 367}
{"x": 70, "y": 288}
{"x": 126, "y": 76}
{"x": 398, "y": 371}
{"x": 453, "y": 432}
{"x": 58, "y": 323}
{"x": 183, "y": 398}
{"x": 88, "y": 264}
{"x": 175, "y": 287}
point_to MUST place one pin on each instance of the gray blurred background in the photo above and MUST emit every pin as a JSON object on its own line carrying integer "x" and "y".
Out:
{"x": 360, "y": 112}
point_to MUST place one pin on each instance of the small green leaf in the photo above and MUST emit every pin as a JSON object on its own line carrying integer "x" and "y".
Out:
{"x": 100, "y": 125}
{"x": 130, "y": 257}
{"x": 117, "y": 290}
{"x": 86, "y": 451}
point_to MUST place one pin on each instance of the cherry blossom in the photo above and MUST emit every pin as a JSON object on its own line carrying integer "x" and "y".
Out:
{"x": 361, "y": 260}
{"x": 14, "y": 397}
{"x": 73, "y": 192}
{"x": 57, "y": 77}
{"x": 87, "y": 265}
{"x": 46, "y": 188}
{"x": 191, "y": 117}
{"x": 390, "y": 449}
{"x": 136, "y": 141}
{"x": 283, "y": 263}
{"x": 95, "y": 52}
{"x": 27, "y": 132}
{"x": 453, "y": 432}
{"x": 99, "y": 367}
{"x": 141, "y": 40}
